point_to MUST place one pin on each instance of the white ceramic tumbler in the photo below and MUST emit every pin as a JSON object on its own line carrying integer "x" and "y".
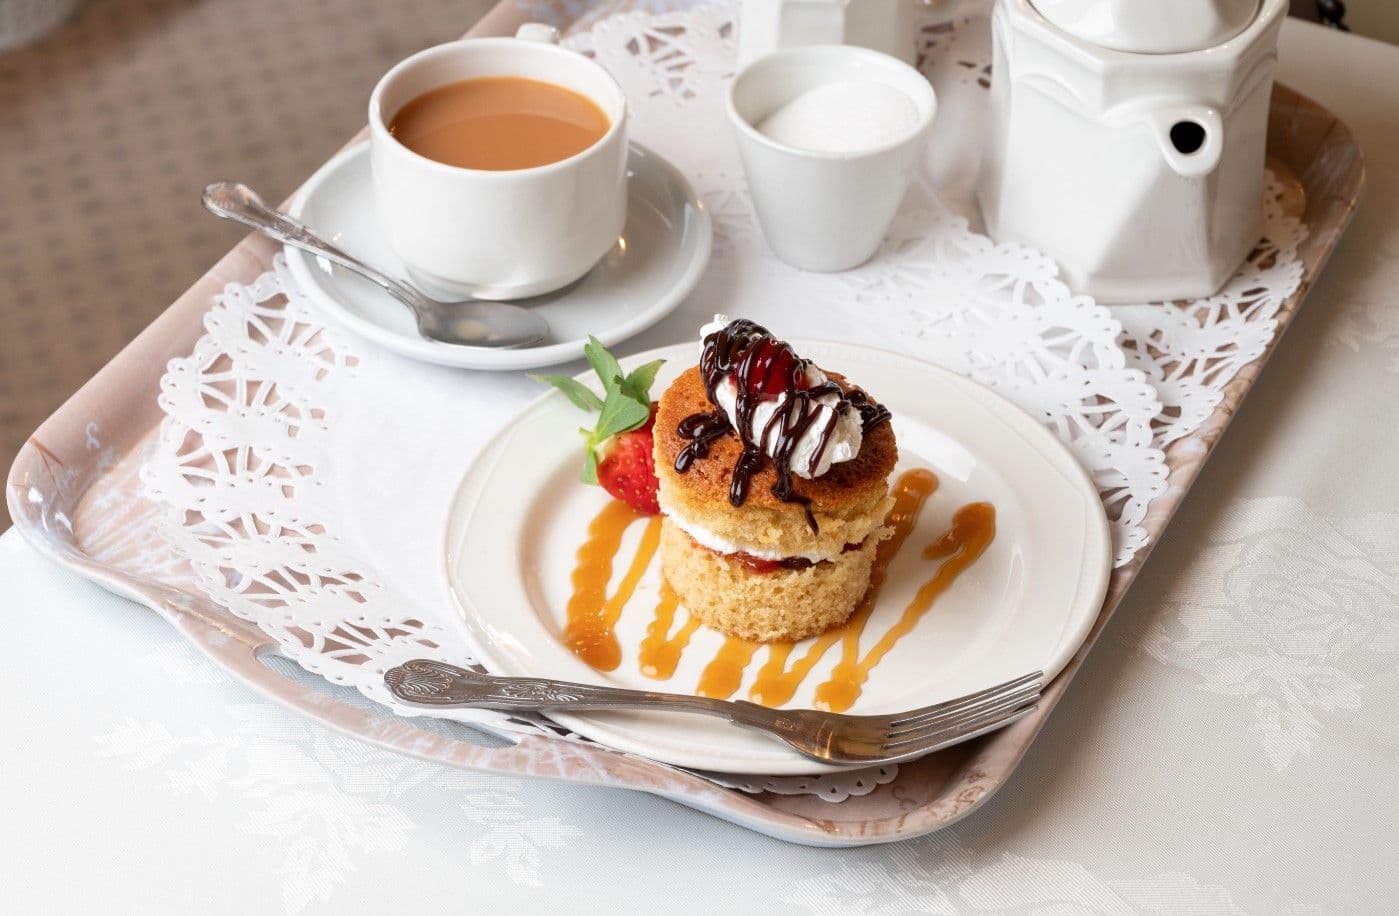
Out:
{"x": 825, "y": 211}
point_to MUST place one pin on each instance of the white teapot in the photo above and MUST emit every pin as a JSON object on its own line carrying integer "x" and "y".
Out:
{"x": 1126, "y": 138}
{"x": 884, "y": 25}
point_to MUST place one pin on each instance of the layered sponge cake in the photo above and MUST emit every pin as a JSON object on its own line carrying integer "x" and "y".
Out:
{"x": 773, "y": 478}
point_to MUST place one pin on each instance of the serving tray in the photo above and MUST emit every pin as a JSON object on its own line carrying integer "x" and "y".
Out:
{"x": 74, "y": 493}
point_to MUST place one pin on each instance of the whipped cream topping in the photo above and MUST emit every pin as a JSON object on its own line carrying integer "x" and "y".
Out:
{"x": 808, "y": 458}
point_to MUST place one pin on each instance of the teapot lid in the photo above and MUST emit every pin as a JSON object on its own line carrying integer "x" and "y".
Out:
{"x": 1150, "y": 26}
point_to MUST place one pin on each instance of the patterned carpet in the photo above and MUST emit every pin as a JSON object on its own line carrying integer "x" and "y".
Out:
{"x": 115, "y": 121}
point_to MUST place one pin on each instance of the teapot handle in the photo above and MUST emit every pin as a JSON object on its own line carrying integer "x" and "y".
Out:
{"x": 1191, "y": 137}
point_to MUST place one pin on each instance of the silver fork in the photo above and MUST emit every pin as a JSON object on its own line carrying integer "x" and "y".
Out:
{"x": 834, "y": 738}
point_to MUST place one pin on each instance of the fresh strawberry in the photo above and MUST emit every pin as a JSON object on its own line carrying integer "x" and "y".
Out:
{"x": 617, "y": 451}
{"x": 628, "y": 470}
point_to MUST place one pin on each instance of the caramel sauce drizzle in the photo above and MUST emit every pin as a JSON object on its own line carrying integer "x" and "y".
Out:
{"x": 724, "y": 673}
{"x": 776, "y": 684}
{"x": 973, "y": 529}
{"x": 592, "y": 614}
{"x": 591, "y": 632}
{"x": 659, "y": 655}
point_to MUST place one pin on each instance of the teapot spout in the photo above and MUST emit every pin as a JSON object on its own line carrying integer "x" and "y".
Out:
{"x": 1191, "y": 138}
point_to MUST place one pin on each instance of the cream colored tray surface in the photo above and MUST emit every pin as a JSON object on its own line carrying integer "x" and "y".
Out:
{"x": 74, "y": 493}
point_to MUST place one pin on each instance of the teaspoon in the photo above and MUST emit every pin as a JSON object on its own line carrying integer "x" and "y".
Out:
{"x": 471, "y": 323}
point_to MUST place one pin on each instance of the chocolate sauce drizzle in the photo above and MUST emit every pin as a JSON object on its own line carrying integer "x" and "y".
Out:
{"x": 756, "y": 360}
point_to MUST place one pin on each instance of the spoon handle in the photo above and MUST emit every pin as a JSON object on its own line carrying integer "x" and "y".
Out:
{"x": 236, "y": 201}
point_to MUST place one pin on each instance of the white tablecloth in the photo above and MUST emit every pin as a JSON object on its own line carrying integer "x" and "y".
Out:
{"x": 1229, "y": 746}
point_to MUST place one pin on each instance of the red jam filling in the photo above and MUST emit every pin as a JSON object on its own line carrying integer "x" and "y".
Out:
{"x": 765, "y": 565}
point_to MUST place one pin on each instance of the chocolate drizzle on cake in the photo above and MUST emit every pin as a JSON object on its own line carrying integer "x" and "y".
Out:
{"x": 871, "y": 414}
{"x": 766, "y": 369}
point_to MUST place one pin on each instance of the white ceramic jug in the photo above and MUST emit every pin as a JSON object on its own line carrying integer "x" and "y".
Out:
{"x": 1126, "y": 138}
{"x": 884, "y": 25}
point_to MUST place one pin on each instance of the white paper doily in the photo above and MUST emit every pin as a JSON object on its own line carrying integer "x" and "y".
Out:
{"x": 280, "y": 433}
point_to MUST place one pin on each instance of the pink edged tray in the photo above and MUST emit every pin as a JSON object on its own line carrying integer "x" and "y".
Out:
{"x": 75, "y": 494}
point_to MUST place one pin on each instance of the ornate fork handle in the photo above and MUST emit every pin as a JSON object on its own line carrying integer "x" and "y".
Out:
{"x": 432, "y": 683}
{"x": 237, "y": 202}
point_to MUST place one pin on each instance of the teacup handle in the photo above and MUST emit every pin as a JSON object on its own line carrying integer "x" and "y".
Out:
{"x": 538, "y": 31}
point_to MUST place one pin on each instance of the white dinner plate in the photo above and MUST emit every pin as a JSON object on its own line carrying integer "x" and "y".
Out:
{"x": 1025, "y": 605}
{"x": 654, "y": 265}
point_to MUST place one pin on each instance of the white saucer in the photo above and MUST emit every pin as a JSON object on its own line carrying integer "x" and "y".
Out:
{"x": 1027, "y": 604}
{"x": 655, "y": 264}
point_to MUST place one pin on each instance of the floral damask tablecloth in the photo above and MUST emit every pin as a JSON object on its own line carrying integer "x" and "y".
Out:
{"x": 1230, "y": 746}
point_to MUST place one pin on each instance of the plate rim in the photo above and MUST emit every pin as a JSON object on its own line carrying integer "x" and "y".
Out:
{"x": 483, "y": 358}
{"x": 1093, "y": 579}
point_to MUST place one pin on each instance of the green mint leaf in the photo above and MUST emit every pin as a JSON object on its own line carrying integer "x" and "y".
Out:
{"x": 638, "y": 383}
{"x": 625, "y": 405}
{"x": 574, "y": 390}
{"x": 603, "y": 363}
{"x": 620, "y": 413}
{"x": 629, "y": 390}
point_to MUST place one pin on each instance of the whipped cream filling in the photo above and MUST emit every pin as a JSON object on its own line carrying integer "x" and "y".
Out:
{"x": 719, "y": 544}
{"x": 808, "y": 458}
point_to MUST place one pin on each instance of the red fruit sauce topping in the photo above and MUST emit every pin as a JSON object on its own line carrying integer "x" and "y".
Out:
{"x": 769, "y": 369}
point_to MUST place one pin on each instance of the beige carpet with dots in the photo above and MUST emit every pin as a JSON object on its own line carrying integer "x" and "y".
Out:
{"x": 111, "y": 125}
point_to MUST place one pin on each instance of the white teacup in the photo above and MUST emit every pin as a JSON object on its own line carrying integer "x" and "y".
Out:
{"x": 499, "y": 234}
{"x": 825, "y": 211}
